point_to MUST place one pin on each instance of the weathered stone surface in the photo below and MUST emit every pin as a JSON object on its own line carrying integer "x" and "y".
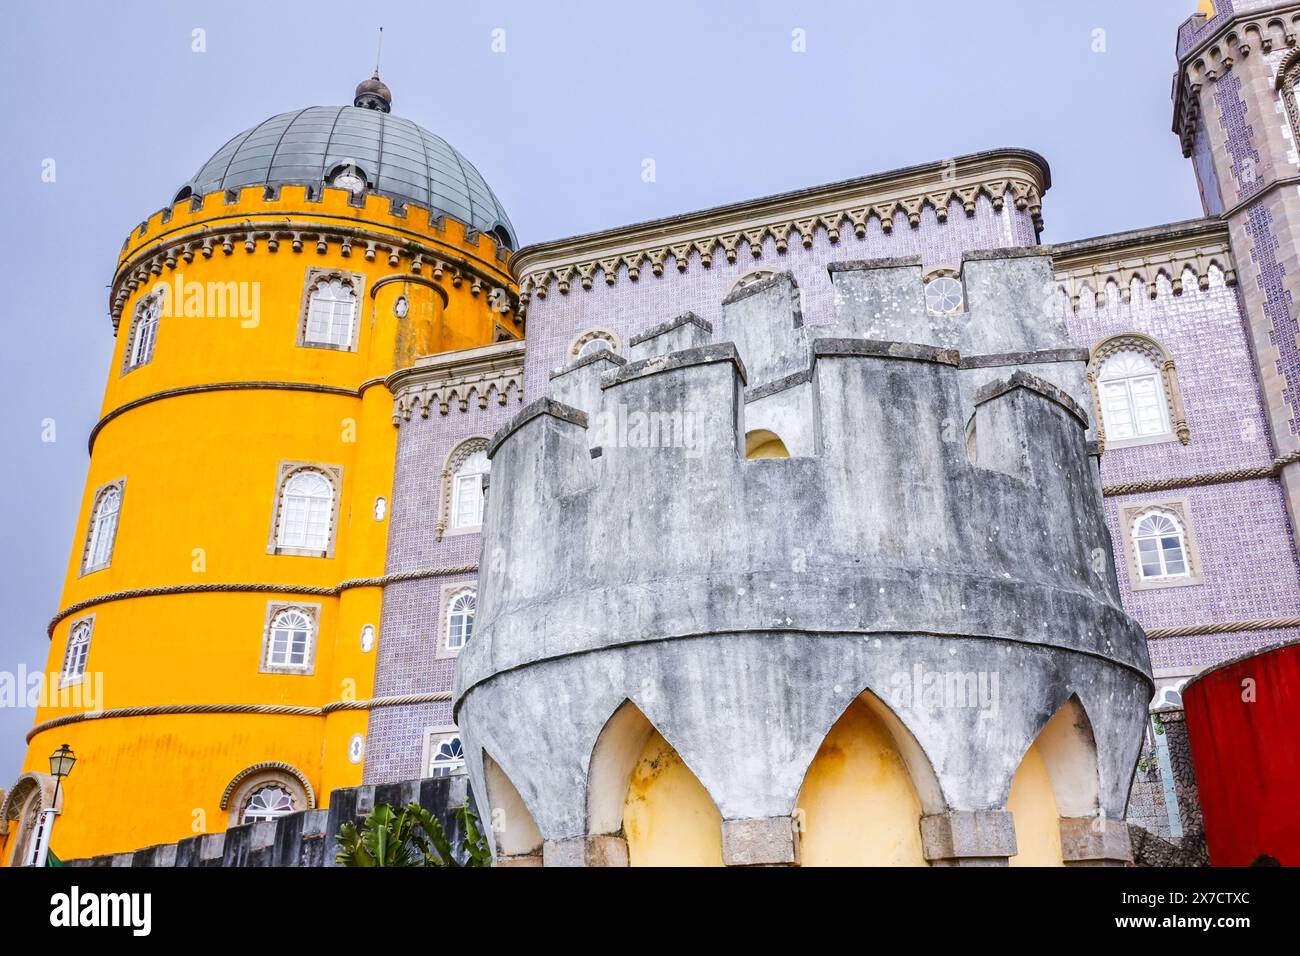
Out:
{"x": 742, "y": 605}
{"x": 766, "y": 842}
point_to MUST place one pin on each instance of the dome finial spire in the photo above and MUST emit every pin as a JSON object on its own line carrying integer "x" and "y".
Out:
{"x": 373, "y": 94}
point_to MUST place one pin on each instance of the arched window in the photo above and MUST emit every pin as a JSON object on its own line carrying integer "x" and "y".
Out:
{"x": 460, "y": 619}
{"x": 464, "y": 475}
{"x": 1135, "y": 393}
{"x": 306, "y": 512}
{"x": 265, "y": 791}
{"x": 1161, "y": 545}
{"x": 103, "y": 528}
{"x": 144, "y": 332}
{"x": 1288, "y": 76}
{"x": 349, "y": 177}
{"x": 595, "y": 345}
{"x": 331, "y": 312}
{"x": 267, "y": 803}
{"x": 467, "y": 491}
{"x": 502, "y": 237}
{"x": 1133, "y": 401}
{"x": 446, "y": 755}
{"x": 74, "y": 657}
{"x": 592, "y": 341}
{"x": 290, "y": 639}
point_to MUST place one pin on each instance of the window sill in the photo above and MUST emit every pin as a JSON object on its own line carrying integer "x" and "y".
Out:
{"x": 288, "y": 670}
{"x": 301, "y": 552}
{"x": 1138, "y": 442}
{"x": 1156, "y": 584}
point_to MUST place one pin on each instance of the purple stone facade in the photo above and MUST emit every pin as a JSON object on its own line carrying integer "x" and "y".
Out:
{"x": 1242, "y": 531}
{"x": 629, "y": 307}
{"x": 413, "y": 654}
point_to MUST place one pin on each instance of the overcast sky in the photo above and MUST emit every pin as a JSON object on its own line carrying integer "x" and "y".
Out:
{"x": 558, "y": 123}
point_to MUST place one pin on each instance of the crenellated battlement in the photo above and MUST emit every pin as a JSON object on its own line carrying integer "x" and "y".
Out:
{"x": 301, "y": 220}
{"x": 742, "y": 525}
{"x": 922, "y": 493}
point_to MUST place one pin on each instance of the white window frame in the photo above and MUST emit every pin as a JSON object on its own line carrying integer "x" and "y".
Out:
{"x": 333, "y": 475}
{"x": 448, "y": 499}
{"x": 274, "y": 609}
{"x": 316, "y": 279}
{"x": 142, "y": 336}
{"x": 101, "y": 534}
{"x": 1179, "y": 511}
{"x": 450, "y": 628}
{"x": 1173, "y": 417}
{"x": 68, "y": 676}
{"x": 469, "y": 483}
{"x": 1130, "y": 399}
{"x": 270, "y": 815}
{"x": 434, "y": 738}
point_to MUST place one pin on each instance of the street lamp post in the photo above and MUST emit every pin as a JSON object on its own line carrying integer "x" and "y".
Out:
{"x": 61, "y": 762}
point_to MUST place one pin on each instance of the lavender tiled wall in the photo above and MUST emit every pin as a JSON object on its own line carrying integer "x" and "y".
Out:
{"x": 1242, "y": 530}
{"x": 629, "y": 307}
{"x": 412, "y": 656}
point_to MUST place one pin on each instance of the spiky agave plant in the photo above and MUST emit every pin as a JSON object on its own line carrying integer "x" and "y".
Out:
{"x": 411, "y": 836}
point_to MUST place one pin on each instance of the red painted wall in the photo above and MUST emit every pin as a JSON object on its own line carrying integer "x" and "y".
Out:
{"x": 1247, "y": 756}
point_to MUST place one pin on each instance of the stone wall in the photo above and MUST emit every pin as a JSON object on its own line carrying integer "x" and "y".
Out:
{"x": 302, "y": 839}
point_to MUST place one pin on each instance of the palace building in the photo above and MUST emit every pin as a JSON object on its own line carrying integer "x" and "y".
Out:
{"x": 847, "y": 525}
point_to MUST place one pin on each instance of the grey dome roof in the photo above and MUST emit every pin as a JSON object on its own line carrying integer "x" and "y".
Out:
{"x": 399, "y": 159}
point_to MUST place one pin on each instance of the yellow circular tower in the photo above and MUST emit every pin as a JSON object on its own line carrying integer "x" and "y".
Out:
{"x": 213, "y": 654}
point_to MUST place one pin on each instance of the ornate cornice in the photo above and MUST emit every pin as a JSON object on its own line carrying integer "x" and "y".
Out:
{"x": 789, "y": 217}
{"x": 248, "y": 232}
{"x": 1091, "y": 265}
{"x": 1235, "y": 38}
{"x": 457, "y": 378}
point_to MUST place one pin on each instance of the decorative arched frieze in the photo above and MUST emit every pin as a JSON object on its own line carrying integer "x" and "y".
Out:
{"x": 1023, "y": 194}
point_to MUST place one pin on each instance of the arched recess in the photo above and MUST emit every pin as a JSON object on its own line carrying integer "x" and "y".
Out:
{"x": 1057, "y": 777}
{"x": 762, "y": 443}
{"x": 513, "y": 826}
{"x": 865, "y": 791}
{"x": 638, "y": 784}
{"x": 31, "y": 794}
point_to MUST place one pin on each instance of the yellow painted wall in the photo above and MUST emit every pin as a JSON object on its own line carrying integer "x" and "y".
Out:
{"x": 1032, "y": 803}
{"x": 201, "y": 473}
{"x": 669, "y": 818}
{"x": 858, "y": 806}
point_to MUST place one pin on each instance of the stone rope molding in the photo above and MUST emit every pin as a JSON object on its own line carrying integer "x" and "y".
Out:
{"x": 1025, "y": 195}
{"x": 305, "y": 590}
{"x": 144, "y": 266}
{"x": 229, "y": 387}
{"x": 1223, "y": 627}
{"x": 273, "y": 710}
{"x": 1212, "y": 478}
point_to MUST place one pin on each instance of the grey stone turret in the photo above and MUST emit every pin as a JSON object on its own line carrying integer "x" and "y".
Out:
{"x": 939, "y": 510}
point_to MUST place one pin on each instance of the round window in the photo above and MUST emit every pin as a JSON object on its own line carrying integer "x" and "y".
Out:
{"x": 943, "y": 295}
